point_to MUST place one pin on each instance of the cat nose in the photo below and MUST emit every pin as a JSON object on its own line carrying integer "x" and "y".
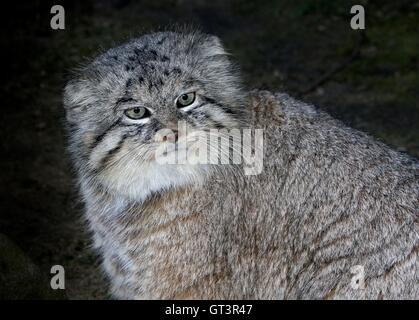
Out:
{"x": 172, "y": 137}
{"x": 174, "y": 128}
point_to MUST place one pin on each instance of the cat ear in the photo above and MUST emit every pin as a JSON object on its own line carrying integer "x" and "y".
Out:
{"x": 214, "y": 47}
{"x": 77, "y": 96}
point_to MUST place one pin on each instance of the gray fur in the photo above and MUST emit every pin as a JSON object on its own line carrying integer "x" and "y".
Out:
{"x": 328, "y": 198}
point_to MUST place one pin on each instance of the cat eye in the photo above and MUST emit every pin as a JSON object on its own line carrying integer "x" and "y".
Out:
{"x": 185, "y": 99}
{"x": 137, "y": 113}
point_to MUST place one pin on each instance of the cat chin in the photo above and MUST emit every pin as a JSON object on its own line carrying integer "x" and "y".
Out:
{"x": 139, "y": 183}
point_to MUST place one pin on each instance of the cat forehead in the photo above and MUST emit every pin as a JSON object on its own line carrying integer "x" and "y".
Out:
{"x": 146, "y": 79}
{"x": 161, "y": 63}
{"x": 159, "y": 48}
{"x": 155, "y": 62}
{"x": 162, "y": 48}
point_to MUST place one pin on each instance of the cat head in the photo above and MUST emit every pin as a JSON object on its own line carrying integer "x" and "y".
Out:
{"x": 118, "y": 106}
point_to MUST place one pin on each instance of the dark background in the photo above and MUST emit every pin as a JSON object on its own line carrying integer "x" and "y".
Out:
{"x": 369, "y": 79}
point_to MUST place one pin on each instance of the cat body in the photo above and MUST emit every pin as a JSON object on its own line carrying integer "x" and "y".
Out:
{"x": 329, "y": 200}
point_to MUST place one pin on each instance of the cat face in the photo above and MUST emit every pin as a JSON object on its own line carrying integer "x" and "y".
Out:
{"x": 120, "y": 105}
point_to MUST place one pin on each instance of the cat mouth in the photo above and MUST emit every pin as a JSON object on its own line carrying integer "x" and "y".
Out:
{"x": 174, "y": 152}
